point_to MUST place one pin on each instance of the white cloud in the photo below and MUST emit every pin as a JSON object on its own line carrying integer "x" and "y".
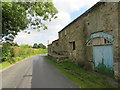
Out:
{"x": 73, "y": 5}
{"x": 65, "y": 8}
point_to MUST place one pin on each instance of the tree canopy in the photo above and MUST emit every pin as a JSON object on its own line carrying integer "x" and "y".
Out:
{"x": 35, "y": 45}
{"x": 39, "y": 46}
{"x": 17, "y": 16}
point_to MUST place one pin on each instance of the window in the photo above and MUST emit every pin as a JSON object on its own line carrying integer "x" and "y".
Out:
{"x": 88, "y": 23}
{"x": 57, "y": 44}
{"x": 65, "y": 32}
{"x": 61, "y": 34}
{"x": 73, "y": 45}
{"x": 106, "y": 41}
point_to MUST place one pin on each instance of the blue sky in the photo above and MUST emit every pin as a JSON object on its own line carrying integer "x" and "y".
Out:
{"x": 76, "y": 14}
{"x": 68, "y": 11}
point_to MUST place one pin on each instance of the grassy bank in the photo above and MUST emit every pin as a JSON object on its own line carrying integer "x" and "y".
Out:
{"x": 6, "y": 64}
{"x": 20, "y": 53}
{"x": 81, "y": 77}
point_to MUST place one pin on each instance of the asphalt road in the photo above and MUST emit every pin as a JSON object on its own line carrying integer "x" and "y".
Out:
{"x": 34, "y": 72}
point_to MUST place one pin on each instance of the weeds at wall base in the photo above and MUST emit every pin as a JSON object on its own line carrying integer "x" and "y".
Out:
{"x": 81, "y": 77}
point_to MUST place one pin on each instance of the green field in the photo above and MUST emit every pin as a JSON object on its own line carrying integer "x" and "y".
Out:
{"x": 82, "y": 78}
{"x": 20, "y": 54}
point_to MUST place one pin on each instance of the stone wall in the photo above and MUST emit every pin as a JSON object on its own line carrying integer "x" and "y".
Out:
{"x": 102, "y": 17}
{"x": 54, "y": 48}
{"x": 118, "y": 68}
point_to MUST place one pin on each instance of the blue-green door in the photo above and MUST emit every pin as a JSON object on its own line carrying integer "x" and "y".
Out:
{"x": 103, "y": 59}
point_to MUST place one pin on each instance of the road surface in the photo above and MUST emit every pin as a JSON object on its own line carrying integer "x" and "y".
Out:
{"x": 34, "y": 72}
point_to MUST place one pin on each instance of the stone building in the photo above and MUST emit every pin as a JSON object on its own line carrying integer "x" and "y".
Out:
{"x": 93, "y": 39}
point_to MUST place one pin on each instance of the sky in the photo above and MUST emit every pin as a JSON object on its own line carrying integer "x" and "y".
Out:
{"x": 68, "y": 10}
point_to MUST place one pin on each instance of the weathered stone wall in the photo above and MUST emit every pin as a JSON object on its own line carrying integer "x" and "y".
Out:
{"x": 118, "y": 65}
{"x": 54, "y": 48}
{"x": 73, "y": 33}
{"x": 49, "y": 49}
{"x": 103, "y": 17}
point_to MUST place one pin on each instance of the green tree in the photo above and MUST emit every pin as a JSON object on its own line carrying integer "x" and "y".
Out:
{"x": 17, "y": 16}
{"x": 41, "y": 46}
{"x": 35, "y": 45}
{"x": 15, "y": 44}
{"x": 7, "y": 52}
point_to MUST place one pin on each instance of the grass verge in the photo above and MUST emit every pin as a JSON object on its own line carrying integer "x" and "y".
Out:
{"x": 6, "y": 64}
{"x": 81, "y": 77}
{"x": 19, "y": 58}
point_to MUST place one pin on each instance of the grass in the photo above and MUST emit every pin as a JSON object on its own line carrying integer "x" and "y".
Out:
{"x": 82, "y": 78}
{"x": 6, "y": 64}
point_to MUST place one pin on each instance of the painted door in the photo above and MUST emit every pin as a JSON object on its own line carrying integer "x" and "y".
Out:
{"x": 103, "y": 59}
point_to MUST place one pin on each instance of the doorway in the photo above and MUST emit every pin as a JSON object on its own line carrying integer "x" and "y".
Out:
{"x": 103, "y": 59}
